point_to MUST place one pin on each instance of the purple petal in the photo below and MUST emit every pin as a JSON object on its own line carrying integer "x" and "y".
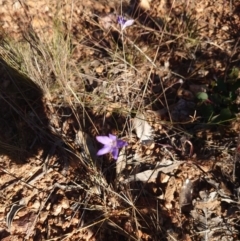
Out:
{"x": 106, "y": 149}
{"x": 104, "y": 140}
{"x": 115, "y": 153}
{"x": 121, "y": 143}
{"x": 121, "y": 20}
{"x": 112, "y": 137}
{"x": 127, "y": 23}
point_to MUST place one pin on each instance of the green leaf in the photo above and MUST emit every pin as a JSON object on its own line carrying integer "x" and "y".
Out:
{"x": 202, "y": 96}
{"x": 234, "y": 73}
{"x": 224, "y": 115}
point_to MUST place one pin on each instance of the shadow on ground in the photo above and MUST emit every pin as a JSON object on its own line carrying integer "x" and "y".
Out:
{"x": 24, "y": 129}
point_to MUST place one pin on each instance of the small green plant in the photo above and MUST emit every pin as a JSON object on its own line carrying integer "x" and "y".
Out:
{"x": 220, "y": 105}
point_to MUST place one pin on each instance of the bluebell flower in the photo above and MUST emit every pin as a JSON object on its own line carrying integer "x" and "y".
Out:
{"x": 124, "y": 23}
{"x": 111, "y": 145}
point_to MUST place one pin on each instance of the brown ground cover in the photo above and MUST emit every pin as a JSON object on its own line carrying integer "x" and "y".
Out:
{"x": 168, "y": 85}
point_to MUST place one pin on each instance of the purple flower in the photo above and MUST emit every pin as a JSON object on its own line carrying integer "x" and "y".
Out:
{"x": 111, "y": 145}
{"x": 124, "y": 23}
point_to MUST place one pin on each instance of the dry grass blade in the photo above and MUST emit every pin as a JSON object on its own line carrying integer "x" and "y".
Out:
{"x": 12, "y": 212}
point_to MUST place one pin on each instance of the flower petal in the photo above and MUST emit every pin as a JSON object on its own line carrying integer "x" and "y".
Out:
{"x": 115, "y": 153}
{"x": 121, "y": 20}
{"x": 104, "y": 140}
{"x": 121, "y": 143}
{"x": 127, "y": 23}
{"x": 106, "y": 149}
{"x": 112, "y": 137}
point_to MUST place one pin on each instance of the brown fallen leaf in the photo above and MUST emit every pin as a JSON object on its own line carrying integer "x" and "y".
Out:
{"x": 211, "y": 205}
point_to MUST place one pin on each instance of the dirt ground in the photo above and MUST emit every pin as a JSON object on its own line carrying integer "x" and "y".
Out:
{"x": 181, "y": 185}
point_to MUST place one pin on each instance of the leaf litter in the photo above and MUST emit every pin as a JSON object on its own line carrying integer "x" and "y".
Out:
{"x": 150, "y": 199}
{"x": 143, "y": 130}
